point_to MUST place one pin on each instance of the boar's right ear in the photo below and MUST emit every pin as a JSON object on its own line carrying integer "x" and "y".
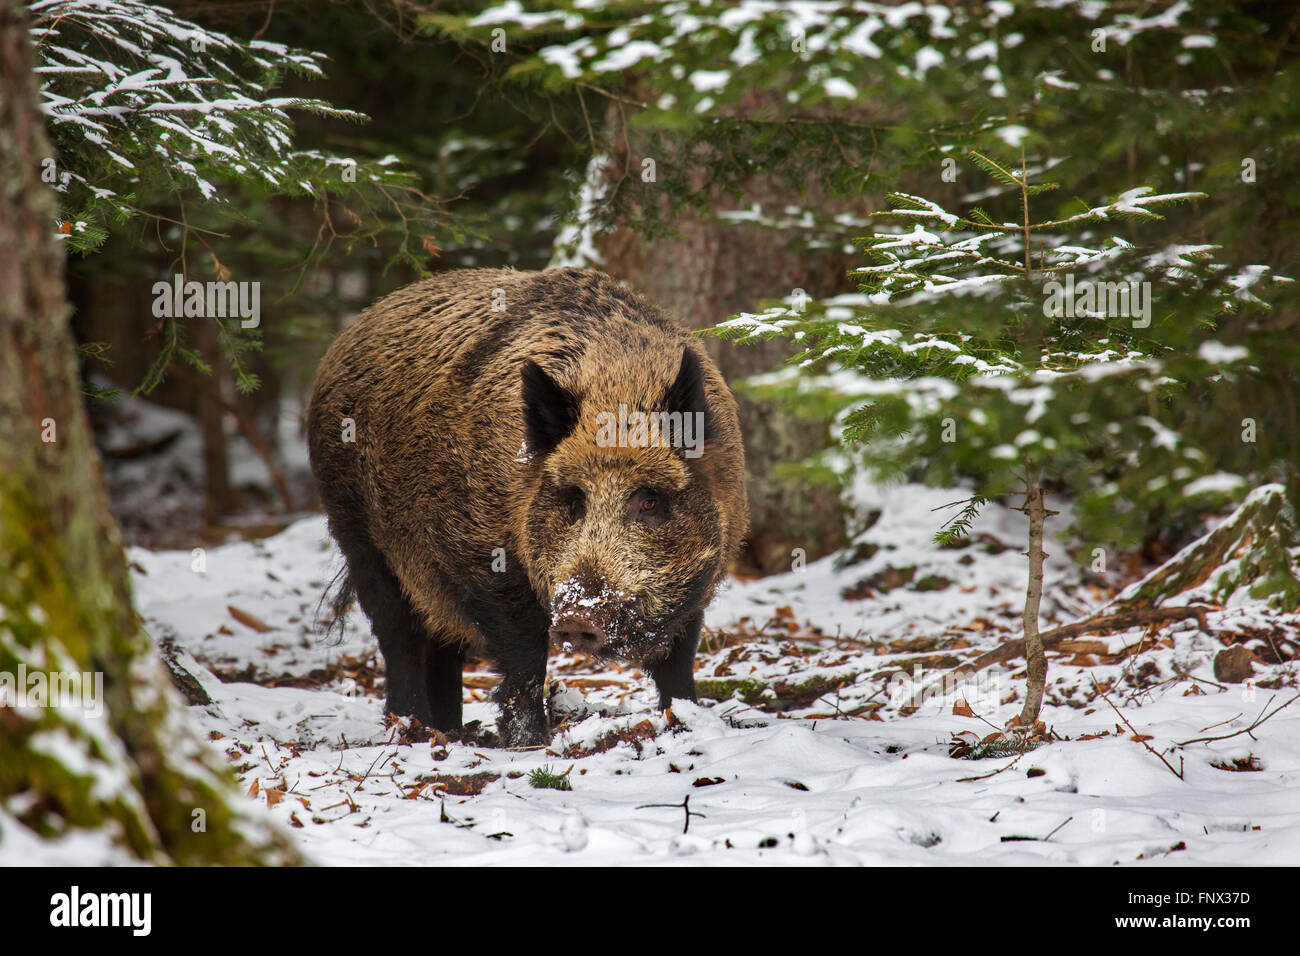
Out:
{"x": 687, "y": 395}
{"x": 550, "y": 412}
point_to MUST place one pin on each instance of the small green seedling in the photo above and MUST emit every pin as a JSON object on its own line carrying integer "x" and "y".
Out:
{"x": 544, "y": 779}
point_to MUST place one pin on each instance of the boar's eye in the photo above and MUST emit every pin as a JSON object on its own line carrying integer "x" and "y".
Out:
{"x": 574, "y": 502}
{"x": 648, "y": 506}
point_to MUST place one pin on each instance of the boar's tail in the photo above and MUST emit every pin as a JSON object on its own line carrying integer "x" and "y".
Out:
{"x": 340, "y": 595}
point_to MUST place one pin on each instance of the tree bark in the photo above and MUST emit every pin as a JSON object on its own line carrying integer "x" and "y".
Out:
{"x": 1256, "y": 540}
{"x": 138, "y": 775}
{"x": 212, "y": 425}
{"x": 1035, "y": 654}
{"x": 710, "y": 270}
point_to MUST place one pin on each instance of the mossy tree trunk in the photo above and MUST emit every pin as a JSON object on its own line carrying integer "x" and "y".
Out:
{"x": 139, "y": 774}
{"x": 1251, "y": 549}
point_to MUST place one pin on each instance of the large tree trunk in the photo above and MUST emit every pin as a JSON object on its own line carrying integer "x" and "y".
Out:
{"x": 710, "y": 270}
{"x": 139, "y": 776}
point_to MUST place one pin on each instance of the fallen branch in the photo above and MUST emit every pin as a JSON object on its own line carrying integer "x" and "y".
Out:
{"x": 1256, "y": 521}
{"x": 684, "y": 805}
{"x": 1014, "y": 838}
{"x": 1122, "y": 620}
{"x": 985, "y": 776}
{"x": 1058, "y": 828}
{"x": 1258, "y": 721}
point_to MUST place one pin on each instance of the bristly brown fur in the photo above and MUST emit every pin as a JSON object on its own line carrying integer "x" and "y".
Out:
{"x": 439, "y": 481}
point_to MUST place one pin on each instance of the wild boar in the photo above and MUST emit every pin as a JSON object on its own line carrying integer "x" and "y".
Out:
{"x": 511, "y": 458}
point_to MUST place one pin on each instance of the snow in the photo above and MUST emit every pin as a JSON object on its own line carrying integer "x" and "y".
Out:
{"x": 575, "y": 242}
{"x": 926, "y": 58}
{"x": 626, "y": 56}
{"x": 925, "y": 209}
{"x": 512, "y": 11}
{"x": 850, "y": 777}
{"x": 1218, "y": 483}
{"x": 840, "y": 89}
{"x": 1012, "y": 135}
{"x": 706, "y": 81}
{"x": 19, "y": 846}
{"x": 1216, "y": 353}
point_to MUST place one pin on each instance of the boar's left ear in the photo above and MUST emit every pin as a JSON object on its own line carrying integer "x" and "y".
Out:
{"x": 550, "y": 412}
{"x": 686, "y": 394}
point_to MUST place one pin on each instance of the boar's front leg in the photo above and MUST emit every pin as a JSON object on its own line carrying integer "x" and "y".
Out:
{"x": 520, "y": 695}
{"x": 444, "y": 682}
{"x": 515, "y": 627}
{"x": 675, "y": 674}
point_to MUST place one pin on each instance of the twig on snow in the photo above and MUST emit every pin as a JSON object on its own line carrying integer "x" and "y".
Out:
{"x": 684, "y": 805}
{"x": 1137, "y": 736}
{"x": 1247, "y": 730}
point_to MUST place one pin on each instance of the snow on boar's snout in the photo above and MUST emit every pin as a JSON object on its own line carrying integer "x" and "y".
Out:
{"x": 624, "y": 528}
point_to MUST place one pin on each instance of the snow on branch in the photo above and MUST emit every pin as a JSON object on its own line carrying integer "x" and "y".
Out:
{"x": 137, "y": 95}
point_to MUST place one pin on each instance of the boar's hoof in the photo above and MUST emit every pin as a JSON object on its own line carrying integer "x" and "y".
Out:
{"x": 523, "y": 730}
{"x": 523, "y": 721}
{"x": 579, "y": 633}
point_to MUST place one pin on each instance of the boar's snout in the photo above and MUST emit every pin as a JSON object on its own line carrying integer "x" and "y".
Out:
{"x": 585, "y": 613}
{"x": 582, "y": 633}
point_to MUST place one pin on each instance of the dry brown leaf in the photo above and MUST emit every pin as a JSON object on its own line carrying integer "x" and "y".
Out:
{"x": 1083, "y": 647}
{"x": 246, "y": 619}
{"x": 222, "y": 272}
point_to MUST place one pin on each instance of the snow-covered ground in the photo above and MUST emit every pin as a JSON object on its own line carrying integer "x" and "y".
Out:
{"x": 816, "y": 753}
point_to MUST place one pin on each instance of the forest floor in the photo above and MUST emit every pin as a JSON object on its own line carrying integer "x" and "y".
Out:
{"x": 809, "y": 745}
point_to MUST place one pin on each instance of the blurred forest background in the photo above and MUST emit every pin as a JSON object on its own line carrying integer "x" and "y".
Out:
{"x": 720, "y": 157}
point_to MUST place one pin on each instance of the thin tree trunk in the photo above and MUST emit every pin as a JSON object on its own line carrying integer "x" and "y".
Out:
{"x": 212, "y": 424}
{"x": 122, "y": 762}
{"x": 210, "y": 388}
{"x": 1035, "y": 655}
